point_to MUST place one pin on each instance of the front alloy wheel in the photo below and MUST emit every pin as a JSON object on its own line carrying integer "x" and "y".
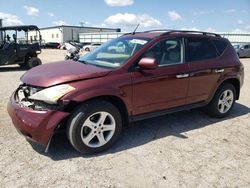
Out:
{"x": 98, "y": 129}
{"x": 94, "y": 126}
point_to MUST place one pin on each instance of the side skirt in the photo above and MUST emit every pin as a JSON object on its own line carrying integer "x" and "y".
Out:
{"x": 168, "y": 111}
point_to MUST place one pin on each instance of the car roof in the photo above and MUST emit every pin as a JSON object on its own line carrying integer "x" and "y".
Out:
{"x": 158, "y": 33}
{"x": 20, "y": 28}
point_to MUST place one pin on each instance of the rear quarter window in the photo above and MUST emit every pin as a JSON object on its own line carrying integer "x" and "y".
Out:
{"x": 220, "y": 45}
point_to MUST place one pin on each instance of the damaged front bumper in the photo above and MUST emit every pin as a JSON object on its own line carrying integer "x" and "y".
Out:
{"x": 35, "y": 124}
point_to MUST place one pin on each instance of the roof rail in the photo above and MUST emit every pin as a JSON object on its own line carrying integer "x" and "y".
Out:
{"x": 194, "y": 32}
{"x": 148, "y": 31}
{"x": 159, "y": 30}
{"x": 169, "y": 31}
{"x": 131, "y": 33}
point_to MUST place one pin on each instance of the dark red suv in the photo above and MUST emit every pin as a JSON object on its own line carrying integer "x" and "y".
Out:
{"x": 134, "y": 77}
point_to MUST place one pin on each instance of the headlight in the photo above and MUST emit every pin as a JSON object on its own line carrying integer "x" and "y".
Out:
{"x": 52, "y": 94}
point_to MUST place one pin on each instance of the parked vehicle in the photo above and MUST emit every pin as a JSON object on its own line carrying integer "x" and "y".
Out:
{"x": 236, "y": 46}
{"x": 23, "y": 53}
{"x": 72, "y": 52}
{"x": 51, "y": 45}
{"x": 62, "y": 47}
{"x": 91, "y": 47}
{"x": 156, "y": 73}
{"x": 243, "y": 50}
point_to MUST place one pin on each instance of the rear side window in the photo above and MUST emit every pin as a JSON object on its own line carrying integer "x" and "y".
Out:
{"x": 198, "y": 49}
{"x": 220, "y": 45}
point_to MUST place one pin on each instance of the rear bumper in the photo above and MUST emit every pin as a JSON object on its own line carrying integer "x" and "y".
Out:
{"x": 37, "y": 126}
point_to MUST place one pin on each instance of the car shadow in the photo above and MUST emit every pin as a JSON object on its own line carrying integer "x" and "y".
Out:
{"x": 142, "y": 132}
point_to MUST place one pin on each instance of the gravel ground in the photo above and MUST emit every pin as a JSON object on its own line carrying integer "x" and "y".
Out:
{"x": 186, "y": 149}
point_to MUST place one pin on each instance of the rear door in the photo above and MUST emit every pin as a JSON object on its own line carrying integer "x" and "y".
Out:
{"x": 205, "y": 68}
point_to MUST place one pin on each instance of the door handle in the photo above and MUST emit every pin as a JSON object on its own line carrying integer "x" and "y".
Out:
{"x": 182, "y": 76}
{"x": 219, "y": 70}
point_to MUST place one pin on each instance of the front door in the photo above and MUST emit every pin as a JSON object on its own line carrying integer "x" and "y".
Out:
{"x": 166, "y": 86}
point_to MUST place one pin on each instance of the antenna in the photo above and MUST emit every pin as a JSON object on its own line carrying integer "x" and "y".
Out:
{"x": 136, "y": 28}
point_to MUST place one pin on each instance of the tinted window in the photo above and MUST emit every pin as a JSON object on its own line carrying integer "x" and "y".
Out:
{"x": 167, "y": 52}
{"x": 221, "y": 45}
{"x": 200, "y": 49}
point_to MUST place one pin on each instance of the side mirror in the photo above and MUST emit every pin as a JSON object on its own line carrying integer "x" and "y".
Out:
{"x": 148, "y": 63}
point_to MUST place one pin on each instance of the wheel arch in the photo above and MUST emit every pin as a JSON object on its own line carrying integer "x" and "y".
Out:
{"x": 236, "y": 83}
{"x": 30, "y": 55}
{"x": 232, "y": 80}
{"x": 115, "y": 100}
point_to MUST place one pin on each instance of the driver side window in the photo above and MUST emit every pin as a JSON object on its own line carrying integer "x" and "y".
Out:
{"x": 167, "y": 52}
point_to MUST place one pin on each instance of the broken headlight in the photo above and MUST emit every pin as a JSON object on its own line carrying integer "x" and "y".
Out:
{"x": 52, "y": 94}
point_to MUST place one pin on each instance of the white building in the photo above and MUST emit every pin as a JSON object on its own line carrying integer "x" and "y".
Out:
{"x": 66, "y": 33}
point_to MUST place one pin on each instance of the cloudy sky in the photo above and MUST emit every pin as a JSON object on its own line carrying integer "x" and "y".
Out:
{"x": 213, "y": 15}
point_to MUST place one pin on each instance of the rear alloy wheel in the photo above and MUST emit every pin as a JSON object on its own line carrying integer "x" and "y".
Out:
{"x": 223, "y": 101}
{"x": 94, "y": 127}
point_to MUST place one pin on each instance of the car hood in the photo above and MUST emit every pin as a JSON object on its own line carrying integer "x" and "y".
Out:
{"x": 60, "y": 72}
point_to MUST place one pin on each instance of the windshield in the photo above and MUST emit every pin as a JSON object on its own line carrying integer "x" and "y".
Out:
{"x": 114, "y": 53}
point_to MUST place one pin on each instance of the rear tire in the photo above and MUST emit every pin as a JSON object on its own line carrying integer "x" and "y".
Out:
{"x": 223, "y": 101}
{"x": 94, "y": 126}
{"x": 33, "y": 62}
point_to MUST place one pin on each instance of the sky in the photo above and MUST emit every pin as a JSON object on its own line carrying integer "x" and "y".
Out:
{"x": 212, "y": 15}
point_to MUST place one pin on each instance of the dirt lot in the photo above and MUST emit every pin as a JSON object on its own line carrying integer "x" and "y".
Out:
{"x": 186, "y": 149}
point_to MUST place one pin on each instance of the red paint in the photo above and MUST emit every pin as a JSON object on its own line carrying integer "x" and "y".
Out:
{"x": 35, "y": 125}
{"x": 142, "y": 91}
{"x": 59, "y": 72}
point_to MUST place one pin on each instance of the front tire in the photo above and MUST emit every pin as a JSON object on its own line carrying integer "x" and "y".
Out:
{"x": 223, "y": 101}
{"x": 94, "y": 127}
